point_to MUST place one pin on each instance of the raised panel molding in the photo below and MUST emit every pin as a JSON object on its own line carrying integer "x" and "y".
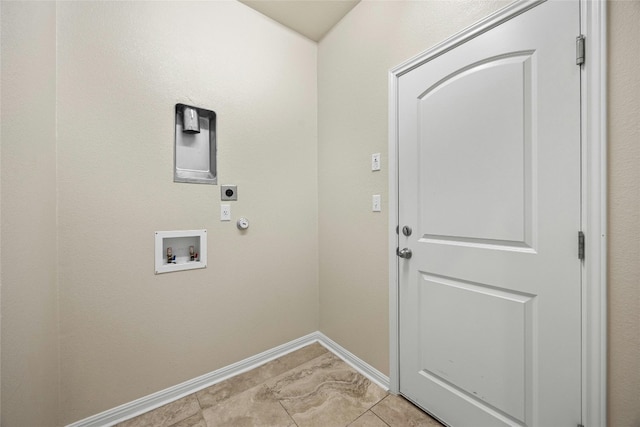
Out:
{"x": 506, "y": 319}
{"x": 495, "y": 181}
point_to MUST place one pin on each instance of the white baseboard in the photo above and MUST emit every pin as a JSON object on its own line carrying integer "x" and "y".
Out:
{"x": 354, "y": 361}
{"x": 160, "y": 398}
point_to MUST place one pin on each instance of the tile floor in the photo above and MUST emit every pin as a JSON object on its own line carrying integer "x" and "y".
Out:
{"x": 306, "y": 388}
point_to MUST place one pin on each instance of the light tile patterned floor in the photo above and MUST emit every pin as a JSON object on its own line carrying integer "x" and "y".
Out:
{"x": 310, "y": 387}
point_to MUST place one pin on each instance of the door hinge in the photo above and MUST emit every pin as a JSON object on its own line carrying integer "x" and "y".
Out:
{"x": 580, "y": 50}
{"x": 580, "y": 245}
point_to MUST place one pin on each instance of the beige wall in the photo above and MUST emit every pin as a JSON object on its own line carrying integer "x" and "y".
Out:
{"x": 122, "y": 66}
{"x": 353, "y": 61}
{"x": 28, "y": 185}
{"x": 624, "y": 214}
{"x": 353, "y": 64}
{"x": 125, "y": 332}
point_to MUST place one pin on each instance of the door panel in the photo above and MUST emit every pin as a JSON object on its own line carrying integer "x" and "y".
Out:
{"x": 503, "y": 123}
{"x": 494, "y": 371}
{"x": 489, "y": 180}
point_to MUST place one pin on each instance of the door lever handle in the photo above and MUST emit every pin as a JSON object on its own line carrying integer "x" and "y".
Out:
{"x": 404, "y": 253}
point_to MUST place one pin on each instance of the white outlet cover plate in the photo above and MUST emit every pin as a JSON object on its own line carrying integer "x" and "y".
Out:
{"x": 225, "y": 212}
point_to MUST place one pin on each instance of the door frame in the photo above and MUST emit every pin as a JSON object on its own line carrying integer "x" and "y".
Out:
{"x": 594, "y": 196}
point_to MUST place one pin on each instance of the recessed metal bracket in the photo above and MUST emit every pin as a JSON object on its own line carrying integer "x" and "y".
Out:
{"x": 195, "y": 145}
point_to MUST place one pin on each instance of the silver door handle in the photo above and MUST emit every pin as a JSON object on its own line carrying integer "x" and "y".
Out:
{"x": 404, "y": 253}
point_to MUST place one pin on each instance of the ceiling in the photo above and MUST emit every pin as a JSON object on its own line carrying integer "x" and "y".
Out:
{"x": 311, "y": 18}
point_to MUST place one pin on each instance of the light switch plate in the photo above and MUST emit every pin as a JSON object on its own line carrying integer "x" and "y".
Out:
{"x": 376, "y": 203}
{"x": 375, "y": 162}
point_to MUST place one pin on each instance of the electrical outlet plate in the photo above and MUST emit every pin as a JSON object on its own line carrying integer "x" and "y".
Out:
{"x": 225, "y": 212}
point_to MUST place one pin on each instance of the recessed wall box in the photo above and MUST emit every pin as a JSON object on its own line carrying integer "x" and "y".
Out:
{"x": 180, "y": 250}
{"x": 228, "y": 192}
{"x": 195, "y": 145}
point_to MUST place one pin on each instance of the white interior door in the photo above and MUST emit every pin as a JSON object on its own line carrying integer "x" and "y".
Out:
{"x": 489, "y": 183}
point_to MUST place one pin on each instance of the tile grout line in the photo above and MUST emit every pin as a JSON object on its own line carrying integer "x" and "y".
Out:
{"x": 285, "y": 410}
{"x": 376, "y": 404}
{"x": 199, "y": 403}
{"x": 372, "y": 413}
{"x": 383, "y": 421}
{"x": 200, "y": 411}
